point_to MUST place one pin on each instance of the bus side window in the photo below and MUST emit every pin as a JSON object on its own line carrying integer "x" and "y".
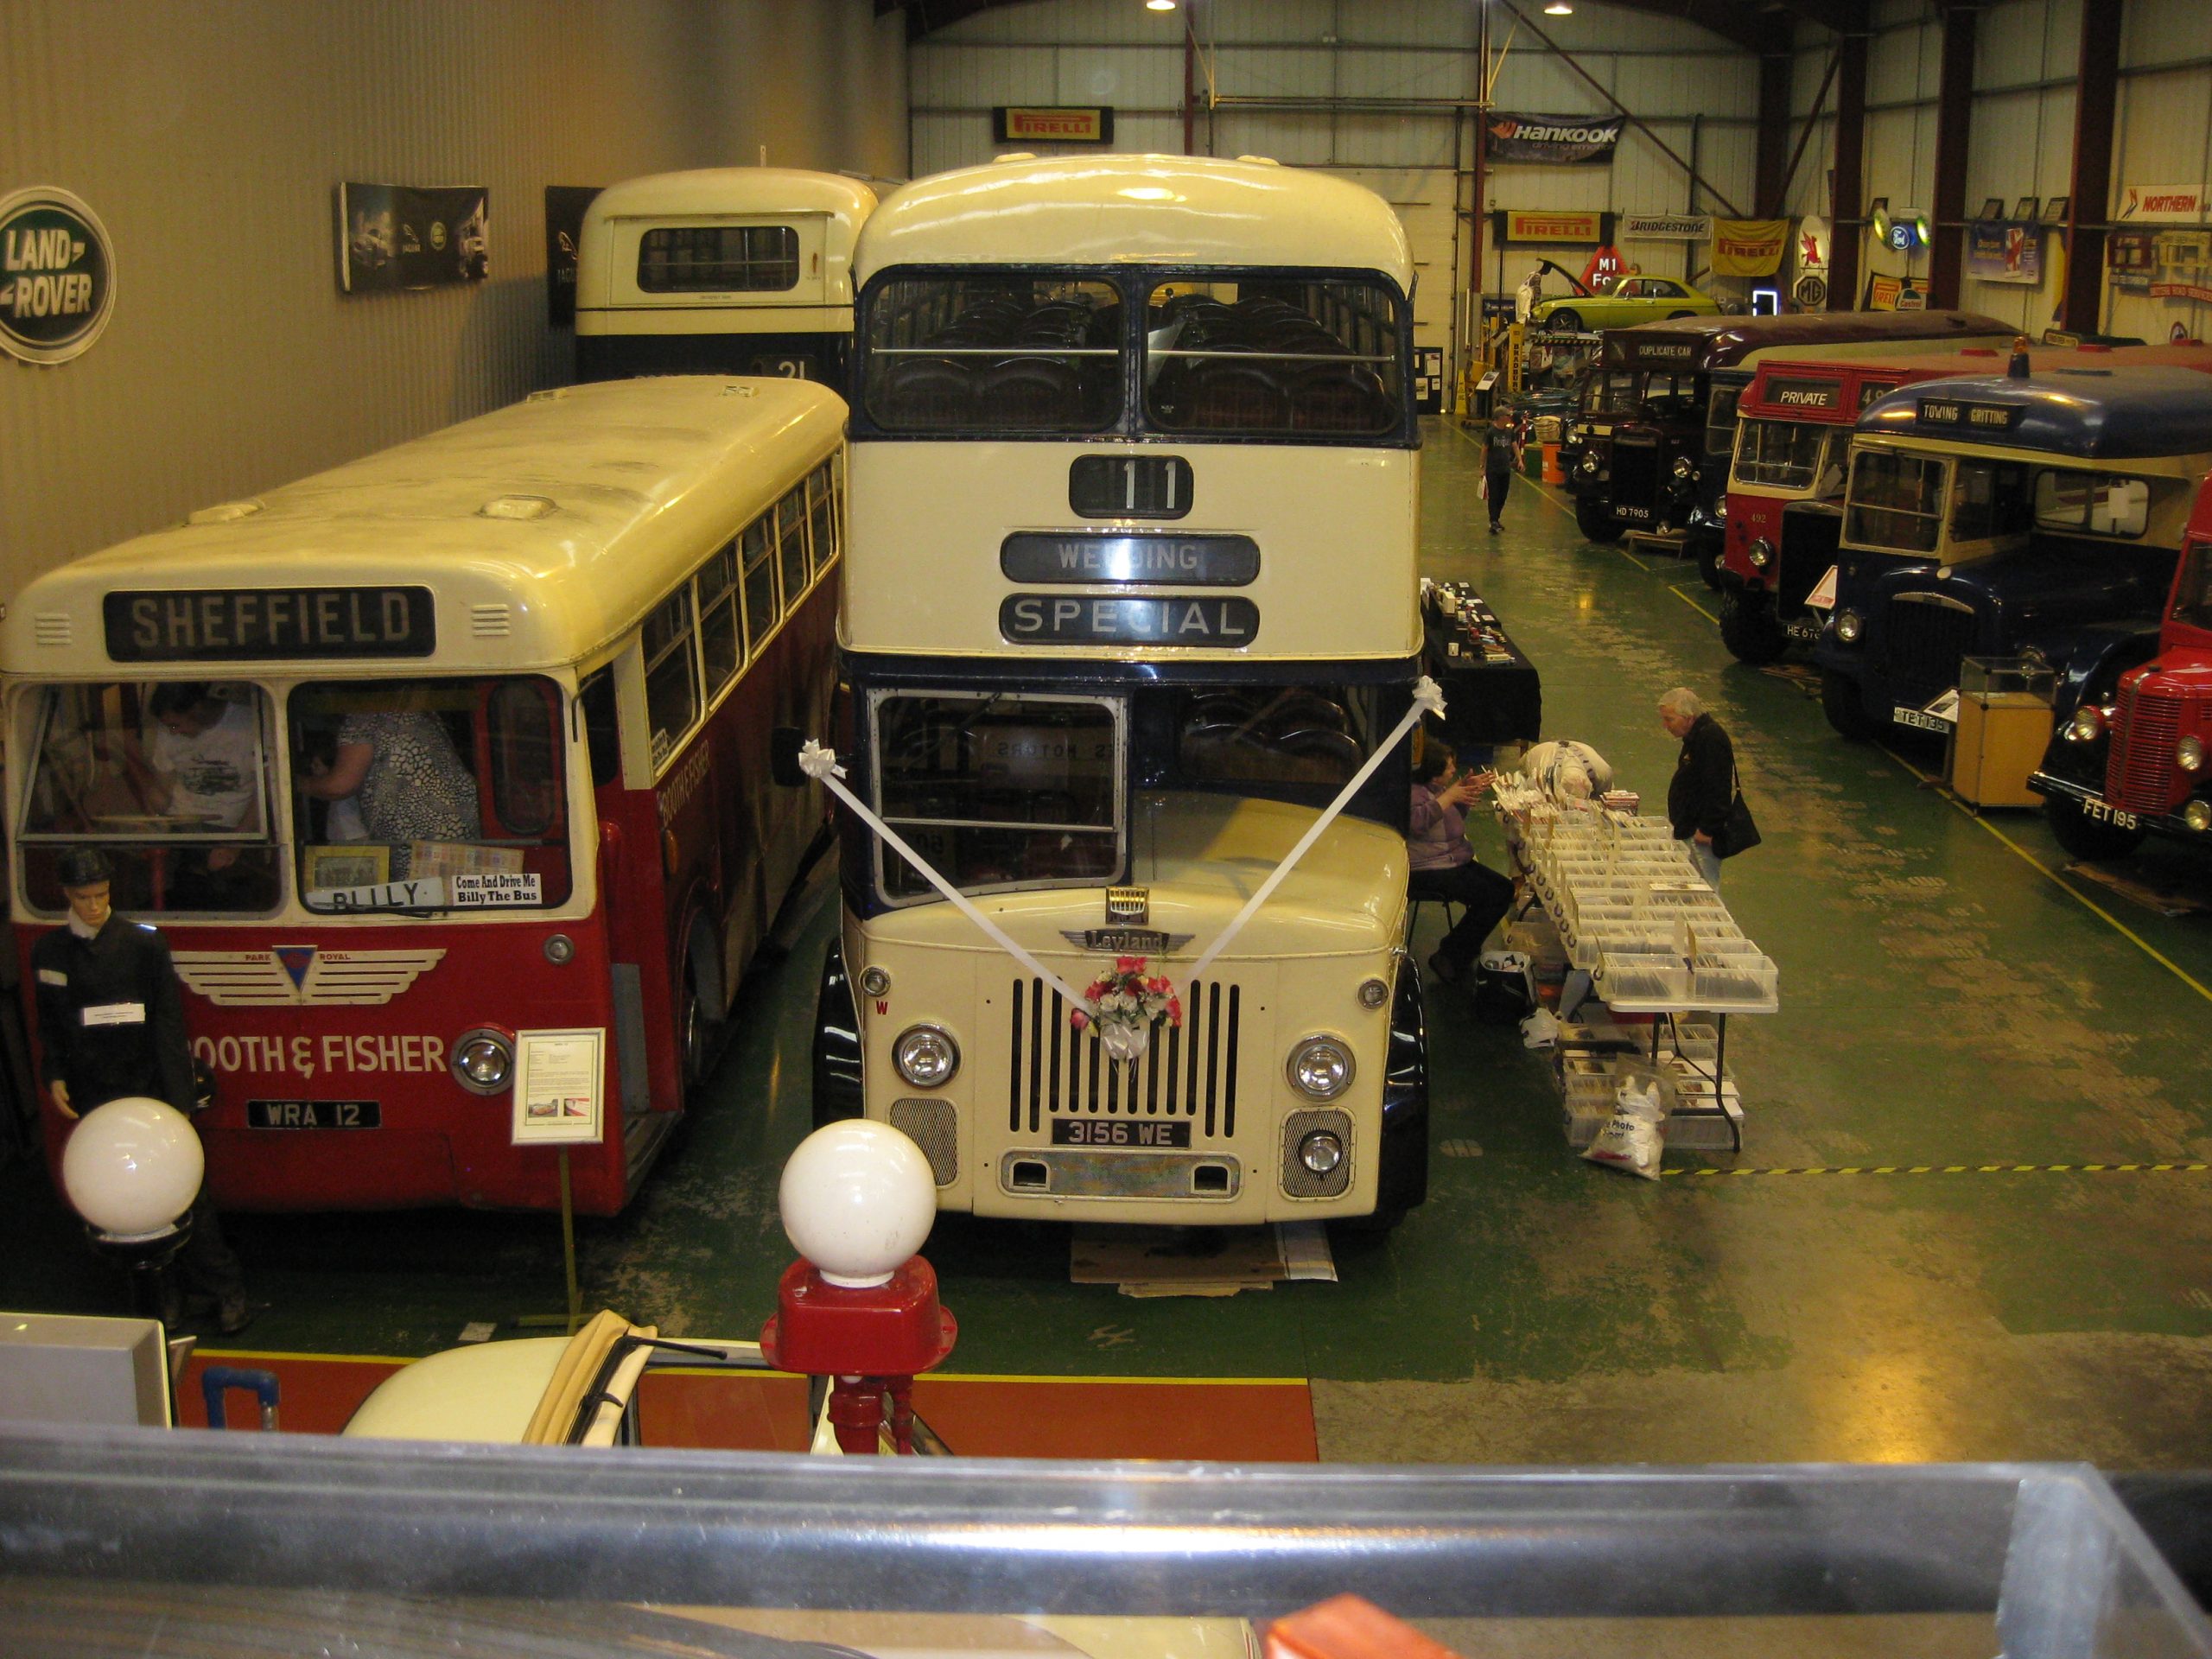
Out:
{"x": 602, "y": 739}
{"x": 820, "y": 512}
{"x": 760, "y": 608}
{"x": 719, "y": 641}
{"x": 791, "y": 537}
{"x": 671, "y": 681}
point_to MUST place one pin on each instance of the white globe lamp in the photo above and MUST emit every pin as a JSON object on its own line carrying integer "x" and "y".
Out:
{"x": 857, "y": 1200}
{"x": 131, "y": 1168}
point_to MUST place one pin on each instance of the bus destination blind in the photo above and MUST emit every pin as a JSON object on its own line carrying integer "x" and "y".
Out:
{"x": 1805, "y": 393}
{"x": 1972, "y": 417}
{"x": 1166, "y": 560}
{"x": 233, "y": 625}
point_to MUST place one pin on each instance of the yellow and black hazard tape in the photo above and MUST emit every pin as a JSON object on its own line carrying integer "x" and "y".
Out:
{"x": 1953, "y": 1169}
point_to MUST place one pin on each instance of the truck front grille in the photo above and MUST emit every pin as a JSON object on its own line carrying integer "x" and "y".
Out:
{"x": 1635, "y": 488}
{"x": 2139, "y": 774}
{"x": 1189, "y": 1071}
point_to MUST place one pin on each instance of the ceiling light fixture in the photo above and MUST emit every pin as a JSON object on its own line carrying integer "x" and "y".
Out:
{"x": 1159, "y": 5}
{"x": 1559, "y": 8}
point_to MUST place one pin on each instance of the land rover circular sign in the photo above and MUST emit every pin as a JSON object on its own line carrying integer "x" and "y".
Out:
{"x": 57, "y": 275}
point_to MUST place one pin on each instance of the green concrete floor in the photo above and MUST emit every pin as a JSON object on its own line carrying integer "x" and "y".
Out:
{"x": 1947, "y": 1000}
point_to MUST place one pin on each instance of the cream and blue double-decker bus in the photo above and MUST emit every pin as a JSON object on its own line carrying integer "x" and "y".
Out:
{"x": 1132, "y": 604}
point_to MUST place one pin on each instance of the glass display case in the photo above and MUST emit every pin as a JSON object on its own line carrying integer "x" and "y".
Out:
{"x": 167, "y": 1543}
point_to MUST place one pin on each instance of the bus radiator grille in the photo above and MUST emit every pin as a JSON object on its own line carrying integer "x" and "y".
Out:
{"x": 933, "y": 1126}
{"x": 1190, "y": 1071}
{"x": 2141, "y": 775}
{"x": 1926, "y": 638}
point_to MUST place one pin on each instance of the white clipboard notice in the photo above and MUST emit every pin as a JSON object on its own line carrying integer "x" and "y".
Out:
{"x": 558, "y": 1094}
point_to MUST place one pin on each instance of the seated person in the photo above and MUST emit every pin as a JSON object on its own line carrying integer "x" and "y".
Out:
{"x": 201, "y": 768}
{"x": 1444, "y": 866}
{"x": 402, "y": 771}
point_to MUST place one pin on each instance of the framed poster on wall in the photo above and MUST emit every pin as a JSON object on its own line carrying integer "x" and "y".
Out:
{"x": 400, "y": 236}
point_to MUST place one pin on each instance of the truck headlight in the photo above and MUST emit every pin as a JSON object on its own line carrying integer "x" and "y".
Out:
{"x": 1590, "y": 461}
{"x": 1720, "y": 511}
{"x": 1320, "y": 1067}
{"x": 1849, "y": 626}
{"x": 483, "y": 1060}
{"x": 2088, "y": 724}
{"x": 1321, "y": 1151}
{"x": 1682, "y": 467}
{"x": 2197, "y": 815}
{"x": 2189, "y": 754}
{"x": 1761, "y": 551}
{"x": 925, "y": 1057}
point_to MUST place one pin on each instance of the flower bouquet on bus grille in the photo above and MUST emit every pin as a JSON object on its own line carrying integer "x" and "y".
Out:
{"x": 1124, "y": 1004}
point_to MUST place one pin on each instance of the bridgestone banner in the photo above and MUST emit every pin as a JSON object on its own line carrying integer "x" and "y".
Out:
{"x": 1666, "y": 227}
{"x": 1549, "y": 140}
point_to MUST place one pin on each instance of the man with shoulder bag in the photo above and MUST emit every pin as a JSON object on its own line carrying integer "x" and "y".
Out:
{"x": 1704, "y": 800}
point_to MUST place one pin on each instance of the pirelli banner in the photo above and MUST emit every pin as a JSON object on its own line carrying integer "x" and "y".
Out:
{"x": 1042, "y": 123}
{"x": 1515, "y": 227}
{"x": 1512, "y": 139}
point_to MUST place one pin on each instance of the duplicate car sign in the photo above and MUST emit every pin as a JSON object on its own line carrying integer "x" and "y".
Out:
{"x": 57, "y": 276}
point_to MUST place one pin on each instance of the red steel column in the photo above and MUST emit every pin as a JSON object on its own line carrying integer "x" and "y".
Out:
{"x": 2094, "y": 106}
{"x": 1954, "y": 128}
{"x": 1850, "y": 157}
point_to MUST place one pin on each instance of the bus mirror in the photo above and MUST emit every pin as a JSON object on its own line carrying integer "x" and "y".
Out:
{"x": 783, "y": 745}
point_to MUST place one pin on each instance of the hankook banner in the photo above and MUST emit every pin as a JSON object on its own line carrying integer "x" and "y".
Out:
{"x": 1548, "y": 140}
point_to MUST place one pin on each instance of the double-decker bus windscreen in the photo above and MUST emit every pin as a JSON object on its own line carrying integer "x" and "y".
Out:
{"x": 1262, "y": 356}
{"x": 999, "y": 792}
{"x": 996, "y": 353}
{"x": 1785, "y": 455}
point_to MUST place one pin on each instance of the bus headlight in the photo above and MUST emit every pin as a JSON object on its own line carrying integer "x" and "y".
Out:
{"x": 1590, "y": 463}
{"x": 1720, "y": 511}
{"x": 1320, "y": 1067}
{"x": 483, "y": 1060}
{"x": 1682, "y": 468}
{"x": 2197, "y": 815}
{"x": 925, "y": 1057}
{"x": 2189, "y": 754}
{"x": 1373, "y": 993}
{"x": 1321, "y": 1151}
{"x": 2088, "y": 724}
{"x": 1761, "y": 551}
{"x": 1848, "y": 627}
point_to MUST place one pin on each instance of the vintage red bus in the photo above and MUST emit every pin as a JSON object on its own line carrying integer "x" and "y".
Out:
{"x": 451, "y": 742}
{"x": 1784, "y": 516}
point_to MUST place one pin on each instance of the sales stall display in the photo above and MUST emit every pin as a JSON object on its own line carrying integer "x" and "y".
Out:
{"x": 1635, "y": 928}
{"x": 1492, "y": 693}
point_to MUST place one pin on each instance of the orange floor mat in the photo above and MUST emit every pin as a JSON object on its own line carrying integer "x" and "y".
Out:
{"x": 1265, "y": 1420}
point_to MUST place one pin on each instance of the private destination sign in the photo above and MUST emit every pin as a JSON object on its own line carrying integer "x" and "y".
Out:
{"x": 236, "y": 625}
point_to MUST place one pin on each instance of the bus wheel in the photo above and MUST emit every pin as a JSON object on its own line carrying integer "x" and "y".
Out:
{"x": 1594, "y": 522}
{"x": 695, "y": 1035}
{"x": 837, "y": 1093}
{"x": 1841, "y": 702}
{"x": 1708, "y": 561}
{"x": 1749, "y": 631}
{"x": 2083, "y": 835}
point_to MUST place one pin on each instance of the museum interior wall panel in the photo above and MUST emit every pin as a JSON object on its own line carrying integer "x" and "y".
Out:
{"x": 211, "y": 142}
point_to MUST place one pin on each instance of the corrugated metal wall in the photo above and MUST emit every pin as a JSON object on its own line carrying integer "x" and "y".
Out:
{"x": 210, "y": 137}
{"x": 1301, "y": 81}
{"x": 2027, "y": 57}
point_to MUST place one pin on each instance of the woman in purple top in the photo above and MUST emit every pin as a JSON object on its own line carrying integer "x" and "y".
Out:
{"x": 1443, "y": 865}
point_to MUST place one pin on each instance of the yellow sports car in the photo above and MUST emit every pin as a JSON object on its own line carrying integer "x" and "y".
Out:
{"x": 1632, "y": 299}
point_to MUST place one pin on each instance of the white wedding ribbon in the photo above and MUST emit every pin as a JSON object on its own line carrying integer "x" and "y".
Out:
{"x": 821, "y": 765}
{"x": 1428, "y": 699}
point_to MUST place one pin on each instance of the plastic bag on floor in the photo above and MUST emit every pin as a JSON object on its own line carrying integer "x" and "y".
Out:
{"x": 1631, "y": 1140}
{"x": 1540, "y": 1030}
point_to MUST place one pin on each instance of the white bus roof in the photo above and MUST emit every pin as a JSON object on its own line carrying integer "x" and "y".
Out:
{"x": 702, "y": 192}
{"x": 1103, "y": 210}
{"x": 600, "y": 498}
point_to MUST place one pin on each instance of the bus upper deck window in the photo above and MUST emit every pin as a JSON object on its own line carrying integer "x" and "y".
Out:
{"x": 171, "y": 780}
{"x": 719, "y": 258}
{"x": 429, "y": 794}
{"x": 993, "y": 353}
{"x": 1266, "y": 357}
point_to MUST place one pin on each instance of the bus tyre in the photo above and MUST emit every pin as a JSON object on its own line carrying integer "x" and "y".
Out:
{"x": 1841, "y": 702}
{"x": 696, "y": 1035}
{"x": 837, "y": 1091}
{"x": 1748, "y": 629}
{"x": 1594, "y": 522}
{"x": 1564, "y": 321}
{"x": 1708, "y": 561}
{"x": 2082, "y": 836}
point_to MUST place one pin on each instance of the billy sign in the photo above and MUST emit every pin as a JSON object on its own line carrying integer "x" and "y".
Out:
{"x": 57, "y": 276}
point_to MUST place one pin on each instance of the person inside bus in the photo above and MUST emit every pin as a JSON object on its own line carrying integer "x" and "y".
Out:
{"x": 110, "y": 1024}
{"x": 1443, "y": 865}
{"x": 201, "y": 770}
{"x": 402, "y": 771}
